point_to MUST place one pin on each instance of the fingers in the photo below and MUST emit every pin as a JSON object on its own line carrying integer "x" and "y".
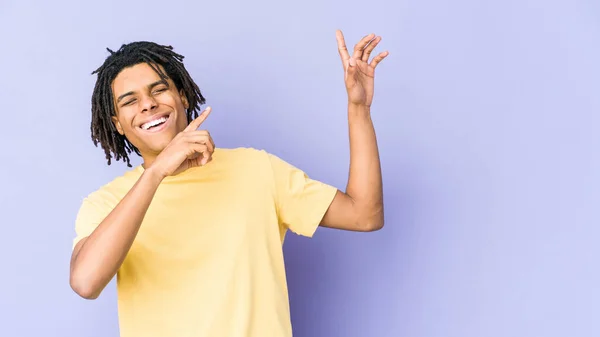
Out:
{"x": 195, "y": 124}
{"x": 362, "y": 51}
{"x": 211, "y": 143}
{"x": 367, "y": 52}
{"x": 201, "y": 149}
{"x": 200, "y": 137}
{"x": 205, "y": 159}
{"x": 342, "y": 46}
{"x": 202, "y": 145}
{"x": 379, "y": 58}
{"x": 203, "y": 153}
{"x": 360, "y": 46}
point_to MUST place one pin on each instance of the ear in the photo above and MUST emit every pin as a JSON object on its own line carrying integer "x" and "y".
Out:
{"x": 117, "y": 125}
{"x": 184, "y": 100}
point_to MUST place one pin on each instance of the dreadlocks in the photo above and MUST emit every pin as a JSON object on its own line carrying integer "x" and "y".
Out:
{"x": 102, "y": 127}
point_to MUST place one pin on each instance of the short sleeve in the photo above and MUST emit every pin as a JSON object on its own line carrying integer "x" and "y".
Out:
{"x": 90, "y": 215}
{"x": 301, "y": 201}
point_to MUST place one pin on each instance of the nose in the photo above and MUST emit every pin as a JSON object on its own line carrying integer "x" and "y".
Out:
{"x": 148, "y": 103}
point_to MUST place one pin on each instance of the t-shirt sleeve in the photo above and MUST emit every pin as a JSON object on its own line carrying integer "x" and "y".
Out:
{"x": 89, "y": 216}
{"x": 301, "y": 201}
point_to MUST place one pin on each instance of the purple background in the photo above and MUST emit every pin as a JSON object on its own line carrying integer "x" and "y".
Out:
{"x": 487, "y": 114}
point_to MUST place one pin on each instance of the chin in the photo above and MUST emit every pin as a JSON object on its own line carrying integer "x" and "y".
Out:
{"x": 158, "y": 146}
{"x": 155, "y": 145}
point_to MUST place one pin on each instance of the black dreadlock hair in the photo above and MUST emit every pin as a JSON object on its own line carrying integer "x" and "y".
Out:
{"x": 103, "y": 108}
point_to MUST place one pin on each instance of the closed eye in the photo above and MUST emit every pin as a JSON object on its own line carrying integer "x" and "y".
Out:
{"x": 129, "y": 102}
{"x": 158, "y": 91}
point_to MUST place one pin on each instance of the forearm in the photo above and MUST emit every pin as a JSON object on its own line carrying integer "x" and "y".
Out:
{"x": 99, "y": 257}
{"x": 364, "y": 181}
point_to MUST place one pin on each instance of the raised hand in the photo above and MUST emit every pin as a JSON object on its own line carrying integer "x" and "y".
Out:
{"x": 190, "y": 148}
{"x": 359, "y": 72}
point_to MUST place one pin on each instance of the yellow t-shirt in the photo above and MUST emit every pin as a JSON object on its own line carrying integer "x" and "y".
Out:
{"x": 208, "y": 258}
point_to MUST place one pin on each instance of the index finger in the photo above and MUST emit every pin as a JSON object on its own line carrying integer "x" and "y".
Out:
{"x": 195, "y": 124}
{"x": 342, "y": 45}
{"x": 360, "y": 46}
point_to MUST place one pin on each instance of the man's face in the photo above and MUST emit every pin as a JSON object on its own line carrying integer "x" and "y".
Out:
{"x": 150, "y": 111}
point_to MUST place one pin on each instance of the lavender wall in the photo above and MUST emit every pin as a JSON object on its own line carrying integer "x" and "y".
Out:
{"x": 487, "y": 115}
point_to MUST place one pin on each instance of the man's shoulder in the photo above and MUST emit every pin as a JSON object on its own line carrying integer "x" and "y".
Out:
{"x": 251, "y": 162}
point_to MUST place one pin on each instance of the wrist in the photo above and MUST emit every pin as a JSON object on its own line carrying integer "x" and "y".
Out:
{"x": 153, "y": 175}
{"x": 355, "y": 109}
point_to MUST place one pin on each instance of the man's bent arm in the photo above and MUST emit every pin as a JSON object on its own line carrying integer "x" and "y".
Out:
{"x": 96, "y": 258}
{"x": 361, "y": 207}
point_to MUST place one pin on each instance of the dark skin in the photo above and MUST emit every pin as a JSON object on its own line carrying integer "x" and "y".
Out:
{"x": 360, "y": 208}
{"x": 174, "y": 146}
{"x": 140, "y": 96}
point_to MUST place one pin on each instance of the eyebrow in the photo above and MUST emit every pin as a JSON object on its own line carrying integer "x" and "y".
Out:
{"x": 150, "y": 86}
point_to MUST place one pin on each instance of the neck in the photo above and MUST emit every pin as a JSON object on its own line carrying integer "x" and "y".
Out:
{"x": 148, "y": 160}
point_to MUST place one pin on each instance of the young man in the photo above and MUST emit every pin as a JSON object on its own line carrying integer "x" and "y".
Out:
{"x": 195, "y": 233}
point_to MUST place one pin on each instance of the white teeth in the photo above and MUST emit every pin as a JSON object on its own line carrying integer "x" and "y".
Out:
{"x": 155, "y": 122}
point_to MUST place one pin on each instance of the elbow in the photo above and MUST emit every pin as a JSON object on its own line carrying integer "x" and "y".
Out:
{"x": 372, "y": 220}
{"x": 373, "y": 225}
{"x": 83, "y": 287}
